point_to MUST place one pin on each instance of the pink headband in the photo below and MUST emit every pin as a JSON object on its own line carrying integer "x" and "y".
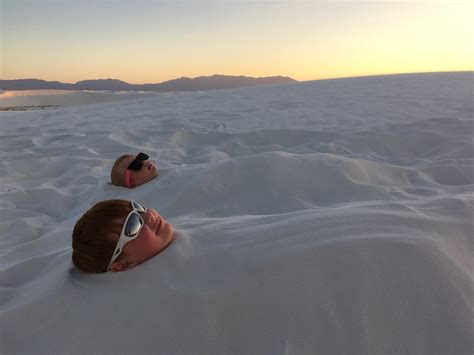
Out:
{"x": 128, "y": 178}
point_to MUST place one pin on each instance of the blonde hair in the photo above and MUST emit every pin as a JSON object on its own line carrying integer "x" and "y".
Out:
{"x": 96, "y": 233}
{"x": 117, "y": 175}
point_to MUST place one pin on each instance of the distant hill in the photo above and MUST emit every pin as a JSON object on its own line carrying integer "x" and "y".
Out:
{"x": 201, "y": 83}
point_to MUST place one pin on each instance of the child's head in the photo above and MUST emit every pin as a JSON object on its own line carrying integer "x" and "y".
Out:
{"x": 117, "y": 235}
{"x": 131, "y": 171}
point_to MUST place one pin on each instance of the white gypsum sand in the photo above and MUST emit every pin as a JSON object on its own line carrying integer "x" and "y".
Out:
{"x": 325, "y": 217}
{"x": 67, "y": 98}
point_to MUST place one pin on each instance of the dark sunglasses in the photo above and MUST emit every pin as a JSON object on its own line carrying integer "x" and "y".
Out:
{"x": 137, "y": 163}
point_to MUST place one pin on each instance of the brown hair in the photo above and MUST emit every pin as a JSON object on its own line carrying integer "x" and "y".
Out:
{"x": 96, "y": 233}
{"x": 117, "y": 175}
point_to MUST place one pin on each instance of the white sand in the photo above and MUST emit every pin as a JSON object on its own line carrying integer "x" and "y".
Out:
{"x": 330, "y": 217}
{"x": 65, "y": 98}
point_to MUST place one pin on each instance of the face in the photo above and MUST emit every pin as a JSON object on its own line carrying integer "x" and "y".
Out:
{"x": 146, "y": 173}
{"x": 155, "y": 235}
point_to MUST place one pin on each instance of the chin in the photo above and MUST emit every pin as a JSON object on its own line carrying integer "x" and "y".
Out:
{"x": 171, "y": 240}
{"x": 170, "y": 232}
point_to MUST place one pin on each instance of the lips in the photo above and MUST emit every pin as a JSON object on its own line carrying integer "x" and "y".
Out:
{"x": 159, "y": 226}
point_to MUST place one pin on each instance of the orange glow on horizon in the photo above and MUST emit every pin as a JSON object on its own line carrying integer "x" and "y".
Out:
{"x": 301, "y": 41}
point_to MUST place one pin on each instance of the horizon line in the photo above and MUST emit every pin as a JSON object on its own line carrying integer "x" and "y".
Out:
{"x": 258, "y": 77}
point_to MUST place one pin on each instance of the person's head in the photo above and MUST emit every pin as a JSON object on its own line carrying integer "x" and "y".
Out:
{"x": 118, "y": 233}
{"x": 132, "y": 171}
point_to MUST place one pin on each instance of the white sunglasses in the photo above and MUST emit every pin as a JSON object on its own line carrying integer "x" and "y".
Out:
{"x": 131, "y": 228}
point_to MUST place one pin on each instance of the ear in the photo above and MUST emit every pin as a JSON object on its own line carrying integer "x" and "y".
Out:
{"x": 118, "y": 266}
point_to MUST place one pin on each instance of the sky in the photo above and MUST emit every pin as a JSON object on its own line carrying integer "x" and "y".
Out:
{"x": 151, "y": 41}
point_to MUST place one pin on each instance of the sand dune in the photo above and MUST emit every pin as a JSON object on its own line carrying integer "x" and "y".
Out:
{"x": 326, "y": 217}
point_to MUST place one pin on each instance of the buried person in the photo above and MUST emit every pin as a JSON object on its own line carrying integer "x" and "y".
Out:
{"x": 132, "y": 171}
{"x": 117, "y": 235}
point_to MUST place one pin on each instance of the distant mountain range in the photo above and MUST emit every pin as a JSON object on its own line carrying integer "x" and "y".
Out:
{"x": 201, "y": 83}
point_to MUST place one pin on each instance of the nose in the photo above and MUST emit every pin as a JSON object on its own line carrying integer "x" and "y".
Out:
{"x": 154, "y": 213}
{"x": 152, "y": 216}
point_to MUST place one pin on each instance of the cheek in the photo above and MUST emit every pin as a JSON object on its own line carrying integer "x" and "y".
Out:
{"x": 146, "y": 244}
{"x": 150, "y": 237}
{"x": 145, "y": 173}
{"x": 141, "y": 177}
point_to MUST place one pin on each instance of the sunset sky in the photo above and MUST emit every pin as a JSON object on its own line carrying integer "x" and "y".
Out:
{"x": 150, "y": 41}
